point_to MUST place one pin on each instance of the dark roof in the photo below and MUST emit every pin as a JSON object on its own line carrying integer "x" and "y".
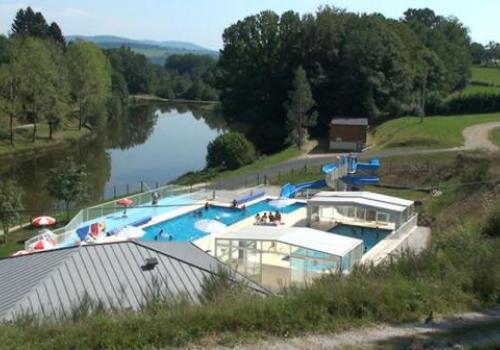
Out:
{"x": 349, "y": 121}
{"x": 54, "y": 282}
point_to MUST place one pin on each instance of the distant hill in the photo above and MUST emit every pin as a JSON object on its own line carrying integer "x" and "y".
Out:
{"x": 156, "y": 51}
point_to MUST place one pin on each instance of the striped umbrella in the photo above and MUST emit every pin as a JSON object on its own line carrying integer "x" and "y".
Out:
{"x": 42, "y": 245}
{"x": 125, "y": 202}
{"x": 43, "y": 221}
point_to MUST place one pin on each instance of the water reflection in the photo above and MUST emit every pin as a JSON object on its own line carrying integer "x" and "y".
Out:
{"x": 153, "y": 143}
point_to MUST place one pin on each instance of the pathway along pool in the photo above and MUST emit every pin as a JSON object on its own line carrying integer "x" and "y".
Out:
{"x": 182, "y": 228}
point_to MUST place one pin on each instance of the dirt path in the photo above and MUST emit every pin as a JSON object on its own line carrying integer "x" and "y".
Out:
{"x": 462, "y": 329}
{"x": 478, "y": 137}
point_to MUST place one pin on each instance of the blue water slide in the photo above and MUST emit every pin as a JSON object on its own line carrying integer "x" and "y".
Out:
{"x": 360, "y": 180}
{"x": 372, "y": 165}
{"x": 289, "y": 190}
{"x": 328, "y": 168}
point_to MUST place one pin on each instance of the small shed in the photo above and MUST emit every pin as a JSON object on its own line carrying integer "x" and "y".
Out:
{"x": 348, "y": 134}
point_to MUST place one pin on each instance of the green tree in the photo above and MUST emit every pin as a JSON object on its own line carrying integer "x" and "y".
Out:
{"x": 56, "y": 34}
{"x": 10, "y": 101}
{"x": 230, "y": 150}
{"x": 68, "y": 183}
{"x": 299, "y": 109}
{"x": 257, "y": 65}
{"x": 39, "y": 79}
{"x": 11, "y": 205}
{"x": 29, "y": 23}
{"x": 90, "y": 80}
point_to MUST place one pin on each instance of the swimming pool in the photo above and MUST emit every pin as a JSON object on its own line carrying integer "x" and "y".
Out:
{"x": 370, "y": 236}
{"x": 182, "y": 228}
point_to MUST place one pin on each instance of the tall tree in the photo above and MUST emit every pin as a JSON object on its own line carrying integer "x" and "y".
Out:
{"x": 39, "y": 79}
{"x": 11, "y": 206}
{"x": 10, "y": 100}
{"x": 299, "y": 109}
{"x": 56, "y": 34}
{"x": 256, "y": 71}
{"x": 29, "y": 23}
{"x": 68, "y": 183}
{"x": 90, "y": 78}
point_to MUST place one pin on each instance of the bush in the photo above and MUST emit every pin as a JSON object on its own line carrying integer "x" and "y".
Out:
{"x": 230, "y": 150}
{"x": 491, "y": 226}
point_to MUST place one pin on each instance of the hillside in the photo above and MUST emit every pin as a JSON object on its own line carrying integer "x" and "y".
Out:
{"x": 156, "y": 51}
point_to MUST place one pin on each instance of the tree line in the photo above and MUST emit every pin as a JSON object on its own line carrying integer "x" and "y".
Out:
{"x": 357, "y": 65}
{"x": 43, "y": 79}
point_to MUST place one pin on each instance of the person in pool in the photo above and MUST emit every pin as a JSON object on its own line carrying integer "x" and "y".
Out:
{"x": 159, "y": 234}
{"x": 207, "y": 205}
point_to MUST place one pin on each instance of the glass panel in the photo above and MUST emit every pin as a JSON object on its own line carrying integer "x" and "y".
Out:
{"x": 382, "y": 217}
{"x": 351, "y": 212}
{"x": 360, "y": 213}
{"x": 371, "y": 215}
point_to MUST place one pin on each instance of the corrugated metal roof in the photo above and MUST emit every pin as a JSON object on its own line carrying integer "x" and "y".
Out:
{"x": 54, "y": 283}
{"x": 349, "y": 121}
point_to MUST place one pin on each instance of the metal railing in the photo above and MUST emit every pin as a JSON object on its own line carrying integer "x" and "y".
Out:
{"x": 198, "y": 192}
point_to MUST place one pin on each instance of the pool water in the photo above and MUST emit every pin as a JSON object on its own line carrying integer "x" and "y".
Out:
{"x": 182, "y": 228}
{"x": 370, "y": 236}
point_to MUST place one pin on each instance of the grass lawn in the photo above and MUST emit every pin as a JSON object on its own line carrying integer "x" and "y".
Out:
{"x": 262, "y": 163}
{"x": 23, "y": 141}
{"x": 434, "y": 132}
{"x": 486, "y": 75}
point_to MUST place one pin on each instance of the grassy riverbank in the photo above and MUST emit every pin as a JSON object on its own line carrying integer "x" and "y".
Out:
{"x": 23, "y": 143}
{"x": 263, "y": 162}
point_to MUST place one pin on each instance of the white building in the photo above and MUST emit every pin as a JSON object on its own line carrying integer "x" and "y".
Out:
{"x": 283, "y": 256}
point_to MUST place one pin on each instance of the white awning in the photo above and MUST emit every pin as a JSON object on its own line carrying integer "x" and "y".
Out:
{"x": 303, "y": 237}
{"x": 358, "y": 202}
{"x": 367, "y": 195}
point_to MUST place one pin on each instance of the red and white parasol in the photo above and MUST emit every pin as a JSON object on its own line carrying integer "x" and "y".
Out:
{"x": 125, "y": 202}
{"x": 43, "y": 221}
{"x": 42, "y": 245}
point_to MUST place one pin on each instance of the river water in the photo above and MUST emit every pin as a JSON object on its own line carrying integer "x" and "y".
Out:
{"x": 152, "y": 143}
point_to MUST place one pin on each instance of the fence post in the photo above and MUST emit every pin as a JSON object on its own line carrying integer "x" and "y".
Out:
{"x": 265, "y": 179}
{"x": 305, "y": 168}
{"x": 128, "y": 189}
{"x": 258, "y": 179}
{"x": 142, "y": 186}
{"x": 114, "y": 192}
{"x": 157, "y": 184}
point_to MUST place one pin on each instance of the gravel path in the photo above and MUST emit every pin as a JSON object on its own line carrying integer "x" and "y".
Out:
{"x": 475, "y": 136}
{"x": 384, "y": 335}
{"x": 478, "y": 137}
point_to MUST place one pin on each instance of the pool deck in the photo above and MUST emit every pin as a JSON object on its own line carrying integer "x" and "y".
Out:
{"x": 296, "y": 218}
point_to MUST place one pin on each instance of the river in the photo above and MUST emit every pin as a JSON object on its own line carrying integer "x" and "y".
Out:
{"x": 152, "y": 143}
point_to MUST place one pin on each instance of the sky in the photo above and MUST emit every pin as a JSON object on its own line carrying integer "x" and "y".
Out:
{"x": 203, "y": 21}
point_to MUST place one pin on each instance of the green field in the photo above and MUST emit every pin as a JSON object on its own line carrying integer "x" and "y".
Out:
{"x": 484, "y": 80}
{"x": 485, "y": 75}
{"x": 478, "y": 89}
{"x": 434, "y": 132}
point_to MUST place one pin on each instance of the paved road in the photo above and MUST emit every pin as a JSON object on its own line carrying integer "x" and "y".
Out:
{"x": 475, "y": 136}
